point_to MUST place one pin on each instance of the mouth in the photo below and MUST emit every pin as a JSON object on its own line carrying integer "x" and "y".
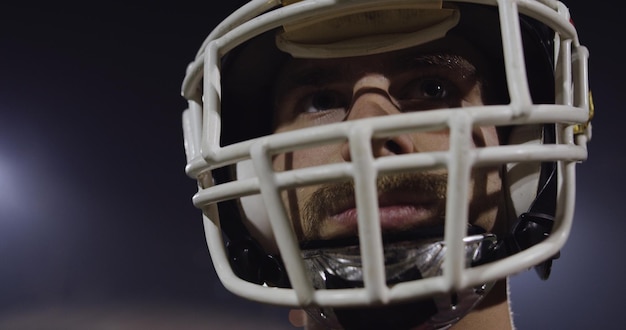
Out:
{"x": 392, "y": 217}
{"x": 397, "y": 212}
{"x": 407, "y": 202}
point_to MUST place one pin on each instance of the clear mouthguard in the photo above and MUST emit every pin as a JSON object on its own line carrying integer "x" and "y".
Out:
{"x": 341, "y": 267}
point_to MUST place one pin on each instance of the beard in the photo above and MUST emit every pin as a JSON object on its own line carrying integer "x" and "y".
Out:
{"x": 330, "y": 198}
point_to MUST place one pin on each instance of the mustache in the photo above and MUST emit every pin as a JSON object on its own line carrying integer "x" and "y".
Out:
{"x": 332, "y": 198}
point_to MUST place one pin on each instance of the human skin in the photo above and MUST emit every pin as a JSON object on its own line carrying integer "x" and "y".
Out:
{"x": 317, "y": 92}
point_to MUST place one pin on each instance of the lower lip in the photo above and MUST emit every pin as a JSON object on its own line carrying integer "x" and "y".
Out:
{"x": 391, "y": 217}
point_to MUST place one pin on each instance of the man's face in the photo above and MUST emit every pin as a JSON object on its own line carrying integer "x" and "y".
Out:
{"x": 318, "y": 92}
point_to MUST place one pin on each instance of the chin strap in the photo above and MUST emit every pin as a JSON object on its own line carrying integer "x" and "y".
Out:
{"x": 531, "y": 229}
{"x": 250, "y": 262}
{"x": 536, "y": 225}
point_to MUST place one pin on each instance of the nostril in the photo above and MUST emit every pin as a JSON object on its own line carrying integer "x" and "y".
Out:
{"x": 393, "y": 147}
{"x": 397, "y": 145}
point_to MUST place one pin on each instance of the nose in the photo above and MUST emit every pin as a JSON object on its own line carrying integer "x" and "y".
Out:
{"x": 371, "y": 98}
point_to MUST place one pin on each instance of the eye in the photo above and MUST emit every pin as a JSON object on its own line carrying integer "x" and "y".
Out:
{"x": 323, "y": 100}
{"x": 432, "y": 88}
{"x": 427, "y": 89}
{"x": 427, "y": 93}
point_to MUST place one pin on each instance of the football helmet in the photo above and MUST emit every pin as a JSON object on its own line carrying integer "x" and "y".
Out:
{"x": 541, "y": 106}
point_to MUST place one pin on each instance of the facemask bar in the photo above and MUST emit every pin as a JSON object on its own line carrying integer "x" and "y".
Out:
{"x": 204, "y": 154}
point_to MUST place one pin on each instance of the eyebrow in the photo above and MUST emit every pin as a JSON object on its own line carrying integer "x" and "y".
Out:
{"x": 452, "y": 62}
{"x": 318, "y": 75}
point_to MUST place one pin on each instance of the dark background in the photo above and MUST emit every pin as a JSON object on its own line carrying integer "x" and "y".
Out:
{"x": 97, "y": 229}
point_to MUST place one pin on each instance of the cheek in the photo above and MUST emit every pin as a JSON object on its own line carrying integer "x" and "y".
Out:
{"x": 490, "y": 135}
{"x": 486, "y": 199}
{"x": 295, "y": 199}
{"x": 307, "y": 158}
{"x": 431, "y": 141}
{"x": 494, "y": 181}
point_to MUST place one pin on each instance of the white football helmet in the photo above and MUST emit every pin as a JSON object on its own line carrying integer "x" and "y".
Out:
{"x": 543, "y": 109}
